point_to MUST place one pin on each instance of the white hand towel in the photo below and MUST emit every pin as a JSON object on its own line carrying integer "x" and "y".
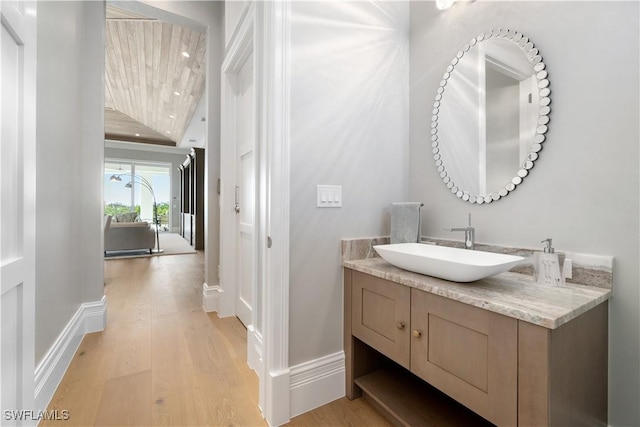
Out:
{"x": 405, "y": 222}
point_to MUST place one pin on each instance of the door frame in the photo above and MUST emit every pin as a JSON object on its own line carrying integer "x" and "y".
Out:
{"x": 240, "y": 49}
{"x": 264, "y": 29}
{"x": 273, "y": 30}
{"x": 238, "y": 52}
{"x": 244, "y": 309}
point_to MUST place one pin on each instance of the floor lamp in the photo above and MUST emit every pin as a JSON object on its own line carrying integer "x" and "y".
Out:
{"x": 146, "y": 184}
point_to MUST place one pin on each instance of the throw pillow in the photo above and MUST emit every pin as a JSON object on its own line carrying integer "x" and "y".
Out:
{"x": 126, "y": 217}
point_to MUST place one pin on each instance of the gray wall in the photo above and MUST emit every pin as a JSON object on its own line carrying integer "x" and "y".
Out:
{"x": 583, "y": 191}
{"x": 175, "y": 159}
{"x": 69, "y": 158}
{"x": 349, "y": 127}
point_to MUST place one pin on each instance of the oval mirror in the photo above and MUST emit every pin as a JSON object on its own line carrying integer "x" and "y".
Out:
{"x": 490, "y": 116}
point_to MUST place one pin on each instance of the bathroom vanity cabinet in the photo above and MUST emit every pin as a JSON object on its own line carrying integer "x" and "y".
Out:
{"x": 401, "y": 342}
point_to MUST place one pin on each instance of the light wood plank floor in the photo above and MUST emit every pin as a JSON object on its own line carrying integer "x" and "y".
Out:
{"x": 162, "y": 361}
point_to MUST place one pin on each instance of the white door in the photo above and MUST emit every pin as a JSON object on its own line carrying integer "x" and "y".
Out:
{"x": 17, "y": 209}
{"x": 245, "y": 193}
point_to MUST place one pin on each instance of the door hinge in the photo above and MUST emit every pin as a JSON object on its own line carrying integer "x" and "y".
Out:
{"x": 237, "y": 205}
{"x": 269, "y": 242}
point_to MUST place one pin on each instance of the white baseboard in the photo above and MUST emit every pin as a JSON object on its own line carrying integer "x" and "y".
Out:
{"x": 275, "y": 407}
{"x": 316, "y": 383}
{"x": 211, "y": 297}
{"x": 94, "y": 315}
{"x": 90, "y": 317}
{"x": 254, "y": 350}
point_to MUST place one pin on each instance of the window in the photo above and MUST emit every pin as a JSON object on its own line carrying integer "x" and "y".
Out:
{"x": 136, "y": 188}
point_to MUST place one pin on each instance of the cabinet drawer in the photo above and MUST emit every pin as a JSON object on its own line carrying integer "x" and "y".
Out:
{"x": 380, "y": 316}
{"x": 469, "y": 353}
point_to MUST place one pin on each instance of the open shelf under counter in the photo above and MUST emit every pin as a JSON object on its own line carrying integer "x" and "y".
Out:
{"x": 408, "y": 401}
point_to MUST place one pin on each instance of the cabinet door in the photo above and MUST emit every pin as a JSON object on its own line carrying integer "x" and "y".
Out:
{"x": 468, "y": 353}
{"x": 380, "y": 316}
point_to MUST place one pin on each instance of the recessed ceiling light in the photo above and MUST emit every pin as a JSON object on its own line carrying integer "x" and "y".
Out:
{"x": 186, "y": 54}
{"x": 176, "y": 93}
{"x": 168, "y": 131}
{"x": 171, "y": 116}
{"x": 137, "y": 134}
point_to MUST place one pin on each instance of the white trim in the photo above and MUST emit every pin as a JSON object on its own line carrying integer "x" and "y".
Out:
{"x": 238, "y": 30}
{"x": 317, "y": 382}
{"x": 94, "y": 315}
{"x": 210, "y": 297}
{"x": 124, "y": 145}
{"x": 150, "y": 10}
{"x": 272, "y": 52}
{"x": 241, "y": 44}
{"x": 90, "y": 317}
{"x": 254, "y": 350}
{"x": 275, "y": 408}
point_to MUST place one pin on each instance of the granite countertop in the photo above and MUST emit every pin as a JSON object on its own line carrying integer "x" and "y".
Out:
{"x": 511, "y": 294}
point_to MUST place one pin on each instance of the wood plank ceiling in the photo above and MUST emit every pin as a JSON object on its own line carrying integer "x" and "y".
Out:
{"x": 155, "y": 73}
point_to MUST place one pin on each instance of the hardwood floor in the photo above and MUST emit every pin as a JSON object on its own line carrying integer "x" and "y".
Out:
{"x": 342, "y": 412}
{"x": 162, "y": 361}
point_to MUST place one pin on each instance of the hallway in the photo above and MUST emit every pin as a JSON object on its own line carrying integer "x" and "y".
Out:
{"x": 161, "y": 359}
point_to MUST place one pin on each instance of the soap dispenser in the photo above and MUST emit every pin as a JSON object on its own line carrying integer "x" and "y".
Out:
{"x": 547, "y": 266}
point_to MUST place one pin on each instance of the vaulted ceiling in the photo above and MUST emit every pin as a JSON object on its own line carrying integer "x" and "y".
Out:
{"x": 155, "y": 77}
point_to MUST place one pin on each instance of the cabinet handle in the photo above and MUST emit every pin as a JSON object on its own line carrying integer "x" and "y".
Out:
{"x": 417, "y": 333}
{"x": 400, "y": 325}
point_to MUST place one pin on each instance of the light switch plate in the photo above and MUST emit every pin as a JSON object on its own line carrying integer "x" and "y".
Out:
{"x": 329, "y": 196}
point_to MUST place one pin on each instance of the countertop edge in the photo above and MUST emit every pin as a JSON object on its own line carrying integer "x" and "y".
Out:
{"x": 447, "y": 289}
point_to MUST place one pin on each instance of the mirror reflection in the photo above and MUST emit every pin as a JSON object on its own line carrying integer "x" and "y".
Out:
{"x": 490, "y": 116}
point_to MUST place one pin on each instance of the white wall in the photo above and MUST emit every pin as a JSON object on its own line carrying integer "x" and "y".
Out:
{"x": 349, "y": 127}
{"x": 151, "y": 156}
{"x": 584, "y": 190}
{"x": 69, "y": 162}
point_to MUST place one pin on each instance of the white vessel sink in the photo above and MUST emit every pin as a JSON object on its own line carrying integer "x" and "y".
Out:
{"x": 456, "y": 265}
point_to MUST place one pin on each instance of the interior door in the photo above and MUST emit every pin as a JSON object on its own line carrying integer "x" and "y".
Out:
{"x": 245, "y": 192}
{"x": 17, "y": 209}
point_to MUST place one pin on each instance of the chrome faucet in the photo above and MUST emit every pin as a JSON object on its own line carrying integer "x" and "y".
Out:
{"x": 469, "y": 234}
